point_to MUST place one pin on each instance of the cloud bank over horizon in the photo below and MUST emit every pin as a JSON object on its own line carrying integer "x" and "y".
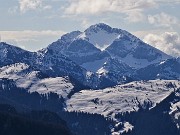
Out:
{"x": 168, "y": 42}
{"x": 42, "y": 21}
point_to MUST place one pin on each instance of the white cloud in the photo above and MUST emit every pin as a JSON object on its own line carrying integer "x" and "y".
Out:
{"x": 101, "y": 6}
{"x": 135, "y": 16}
{"x": 131, "y": 8}
{"x": 26, "y": 5}
{"x": 31, "y": 40}
{"x": 162, "y": 19}
{"x": 168, "y": 42}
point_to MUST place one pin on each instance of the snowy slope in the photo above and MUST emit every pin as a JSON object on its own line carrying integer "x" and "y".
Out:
{"x": 58, "y": 85}
{"x": 94, "y": 66}
{"x": 26, "y": 78}
{"x": 19, "y": 72}
{"x": 121, "y": 98}
{"x": 100, "y": 35}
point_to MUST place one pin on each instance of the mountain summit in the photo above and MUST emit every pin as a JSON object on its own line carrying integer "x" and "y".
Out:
{"x": 96, "y": 44}
{"x": 101, "y": 35}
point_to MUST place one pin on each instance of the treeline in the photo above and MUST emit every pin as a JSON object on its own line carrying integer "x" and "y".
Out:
{"x": 82, "y": 123}
{"x": 14, "y": 123}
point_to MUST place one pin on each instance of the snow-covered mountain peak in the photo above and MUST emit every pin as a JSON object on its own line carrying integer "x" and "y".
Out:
{"x": 98, "y": 27}
{"x": 100, "y": 35}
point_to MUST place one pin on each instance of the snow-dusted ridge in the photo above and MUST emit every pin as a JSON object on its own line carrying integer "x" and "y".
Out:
{"x": 122, "y": 98}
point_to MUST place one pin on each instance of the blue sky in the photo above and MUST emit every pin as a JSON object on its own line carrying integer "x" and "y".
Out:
{"x": 33, "y": 24}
